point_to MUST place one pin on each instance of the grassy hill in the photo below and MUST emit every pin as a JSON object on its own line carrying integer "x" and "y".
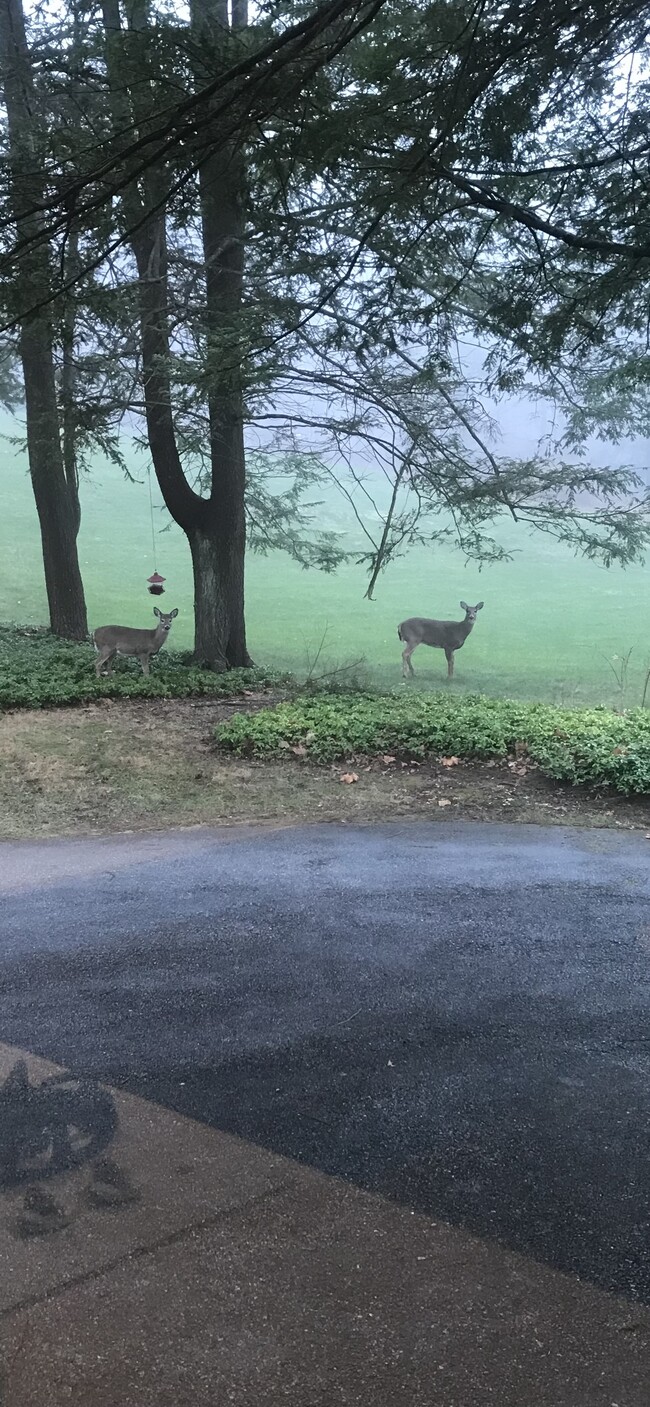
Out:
{"x": 551, "y": 621}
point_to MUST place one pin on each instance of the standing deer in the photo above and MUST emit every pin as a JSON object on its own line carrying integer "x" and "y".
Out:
{"x": 447, "y": 635}
{"x": 111, "y": 640}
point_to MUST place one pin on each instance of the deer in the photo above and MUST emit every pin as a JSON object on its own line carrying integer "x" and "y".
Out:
{"x": 447, "y": 635}
{"x": 111, "y": 640}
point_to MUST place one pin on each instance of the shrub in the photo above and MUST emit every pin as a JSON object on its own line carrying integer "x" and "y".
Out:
{"x": 39, "y": 671}
{"x": 594, "y": 746}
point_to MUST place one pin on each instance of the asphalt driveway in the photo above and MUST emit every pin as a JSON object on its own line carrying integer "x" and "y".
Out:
{"x": 455, "y": 1016}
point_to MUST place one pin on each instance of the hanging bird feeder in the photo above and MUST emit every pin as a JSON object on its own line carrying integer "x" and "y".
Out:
{"x": 155, "y": 584}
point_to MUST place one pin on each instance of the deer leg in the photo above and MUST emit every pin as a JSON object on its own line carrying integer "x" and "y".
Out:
{"x": 406, "y": 662}
{"x": 450, "y": 663}
{"x": 144, "y": 661}
{"x": 104, "y": 658}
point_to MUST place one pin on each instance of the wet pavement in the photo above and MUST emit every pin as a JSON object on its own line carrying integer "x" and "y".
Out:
{"x": 450, "y": 1022}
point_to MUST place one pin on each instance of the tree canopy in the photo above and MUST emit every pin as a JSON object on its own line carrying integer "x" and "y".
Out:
{"x": 320, "y": 210}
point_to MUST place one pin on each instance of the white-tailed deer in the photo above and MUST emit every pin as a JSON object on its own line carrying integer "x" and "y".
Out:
{"x": 447, "y": 635}
{"x": 111, "y": 640}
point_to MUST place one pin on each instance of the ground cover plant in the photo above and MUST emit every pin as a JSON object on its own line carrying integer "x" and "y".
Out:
{"x": 39, "y": 671}
{"x": 593, "y": 746}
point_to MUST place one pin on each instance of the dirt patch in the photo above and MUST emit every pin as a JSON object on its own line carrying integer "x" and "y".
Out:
{"x": 147, "y": 764}
{"x": 494, "y": 791}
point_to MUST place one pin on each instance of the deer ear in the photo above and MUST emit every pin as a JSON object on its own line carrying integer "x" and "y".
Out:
{"x": 480, "y": 605}
{"x": 464, "y": 606}
{"x": 156, "y": 611}
{"x": 174, "y": 613}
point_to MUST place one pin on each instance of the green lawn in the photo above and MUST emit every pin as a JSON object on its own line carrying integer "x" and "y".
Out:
{"x": 550, "y": 620}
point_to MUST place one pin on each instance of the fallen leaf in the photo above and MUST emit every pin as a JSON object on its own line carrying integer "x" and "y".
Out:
{"x": 299, "y": 750}
{"x": 387, "y": 759}
{"x": 443, "y": 802}
{"x": 449, "y": 761}
{"x": 519, "y": 768}
{"x": 349, "y": 777}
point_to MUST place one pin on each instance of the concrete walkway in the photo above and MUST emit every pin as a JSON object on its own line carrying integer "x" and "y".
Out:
{"x": 240, "y": 1277}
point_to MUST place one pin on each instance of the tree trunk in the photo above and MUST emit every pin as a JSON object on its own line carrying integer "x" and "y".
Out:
{"x": 68, "y": 382}
{"x": 219, "y": 631}
{"x": 55, "y": 504}
{"x": 215, "y": 527}
{"x": 223, "y": 244}
{"x": 57, "y": 507}
{"x": 222, "y": 186}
